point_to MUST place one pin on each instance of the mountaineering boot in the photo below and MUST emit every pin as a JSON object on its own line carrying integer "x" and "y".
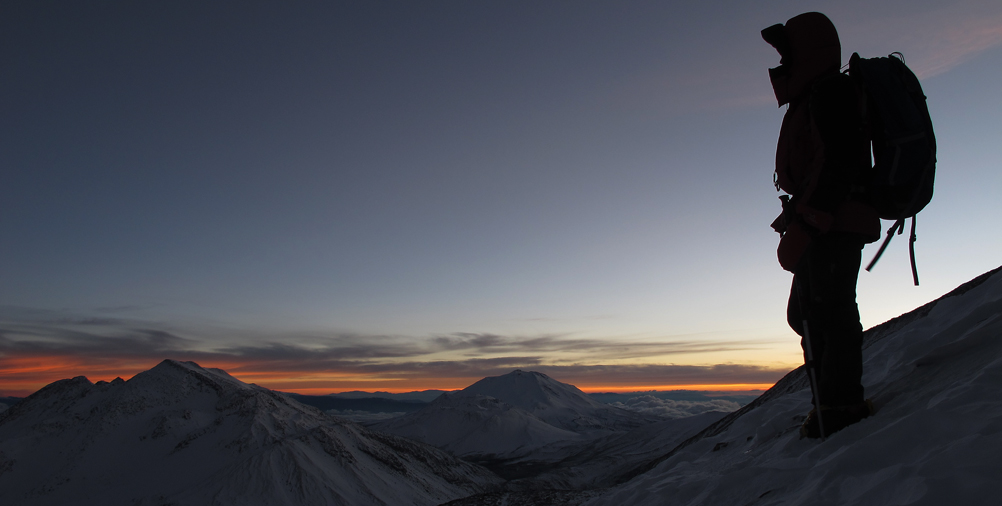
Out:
{"x": 836, "y": 418}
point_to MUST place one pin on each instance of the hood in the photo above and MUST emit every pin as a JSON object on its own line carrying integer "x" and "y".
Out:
{"x": 809, "y": 48}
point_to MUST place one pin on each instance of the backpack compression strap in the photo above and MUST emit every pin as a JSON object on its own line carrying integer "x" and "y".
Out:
{"x": 899, "y": 227}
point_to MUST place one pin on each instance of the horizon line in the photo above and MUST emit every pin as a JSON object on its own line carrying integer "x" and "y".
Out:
{"x": 728, "y": 387}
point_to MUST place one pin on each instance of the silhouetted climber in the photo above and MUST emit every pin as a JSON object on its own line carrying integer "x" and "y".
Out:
{"x": 821, "y": 159}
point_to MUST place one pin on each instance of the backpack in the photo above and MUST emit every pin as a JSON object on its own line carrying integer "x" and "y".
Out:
{"x": 896, "y": 120}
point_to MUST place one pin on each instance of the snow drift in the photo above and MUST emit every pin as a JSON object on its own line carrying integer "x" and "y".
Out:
{"x": 180, "y": 434}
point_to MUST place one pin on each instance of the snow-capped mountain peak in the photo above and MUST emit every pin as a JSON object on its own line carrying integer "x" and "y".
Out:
{"x": 531, "y": 390}
{"x": 558, "y": 404}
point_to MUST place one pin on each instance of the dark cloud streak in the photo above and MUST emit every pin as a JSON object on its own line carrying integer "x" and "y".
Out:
{"x": 103, "y": 342}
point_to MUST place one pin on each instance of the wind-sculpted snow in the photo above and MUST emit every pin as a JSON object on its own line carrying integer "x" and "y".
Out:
{"x": 180, "y": 434}
{"x": 934, "y": 375}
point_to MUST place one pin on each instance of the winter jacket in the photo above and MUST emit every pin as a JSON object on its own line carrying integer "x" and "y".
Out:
{"x": 822, "y": 154}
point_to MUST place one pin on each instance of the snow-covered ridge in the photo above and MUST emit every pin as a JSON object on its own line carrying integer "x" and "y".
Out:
{"x": 182, "y": 434}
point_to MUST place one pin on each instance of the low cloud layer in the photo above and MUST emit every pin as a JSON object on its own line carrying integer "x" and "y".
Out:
{"x": 668, "y": 408}
{"x": 363, "y": 416}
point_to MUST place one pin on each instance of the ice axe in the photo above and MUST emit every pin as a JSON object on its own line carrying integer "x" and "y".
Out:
{"x": 811, "y": 374}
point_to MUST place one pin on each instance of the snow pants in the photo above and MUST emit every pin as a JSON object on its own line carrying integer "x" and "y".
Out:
{"x": 824, "y": 294}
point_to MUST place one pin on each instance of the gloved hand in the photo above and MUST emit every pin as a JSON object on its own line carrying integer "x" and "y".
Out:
{"x": 793, "y": 245}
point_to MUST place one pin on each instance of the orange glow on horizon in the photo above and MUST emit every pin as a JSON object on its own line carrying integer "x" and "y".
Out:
{"x": 24, "y": 375}
{"x": 724, "y": 387}
{"x": 736, "y": 387}
{"x": 325, "y": 386}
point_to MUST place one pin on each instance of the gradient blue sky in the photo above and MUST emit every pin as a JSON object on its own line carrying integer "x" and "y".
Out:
{"x": 340, "y": 188}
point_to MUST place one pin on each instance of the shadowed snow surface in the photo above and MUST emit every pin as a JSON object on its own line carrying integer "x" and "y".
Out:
{"x": 183, "y": 435}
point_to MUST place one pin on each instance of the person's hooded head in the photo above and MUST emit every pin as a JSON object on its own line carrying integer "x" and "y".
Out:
{"x": 809, "y": 48}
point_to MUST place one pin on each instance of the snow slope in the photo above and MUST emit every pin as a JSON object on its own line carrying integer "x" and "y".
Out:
{"x": 935, "y": 375}
{"x": 605, "y": 461}
{"x": 183, "y": 435}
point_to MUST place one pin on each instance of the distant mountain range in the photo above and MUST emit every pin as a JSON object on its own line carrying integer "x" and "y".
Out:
{"x": 739, "y": 397}
{"x": 355, "y": 404}
{"x": 398, "y": 403}
{"x": 6, "y": 402}
{"x": 369, "y": 404}
{"x": 420, "y": 396}
{"x": 183, "y": 435}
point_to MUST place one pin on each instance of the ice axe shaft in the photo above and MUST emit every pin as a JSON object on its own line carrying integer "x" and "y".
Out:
{"x": 809, "y": 363}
